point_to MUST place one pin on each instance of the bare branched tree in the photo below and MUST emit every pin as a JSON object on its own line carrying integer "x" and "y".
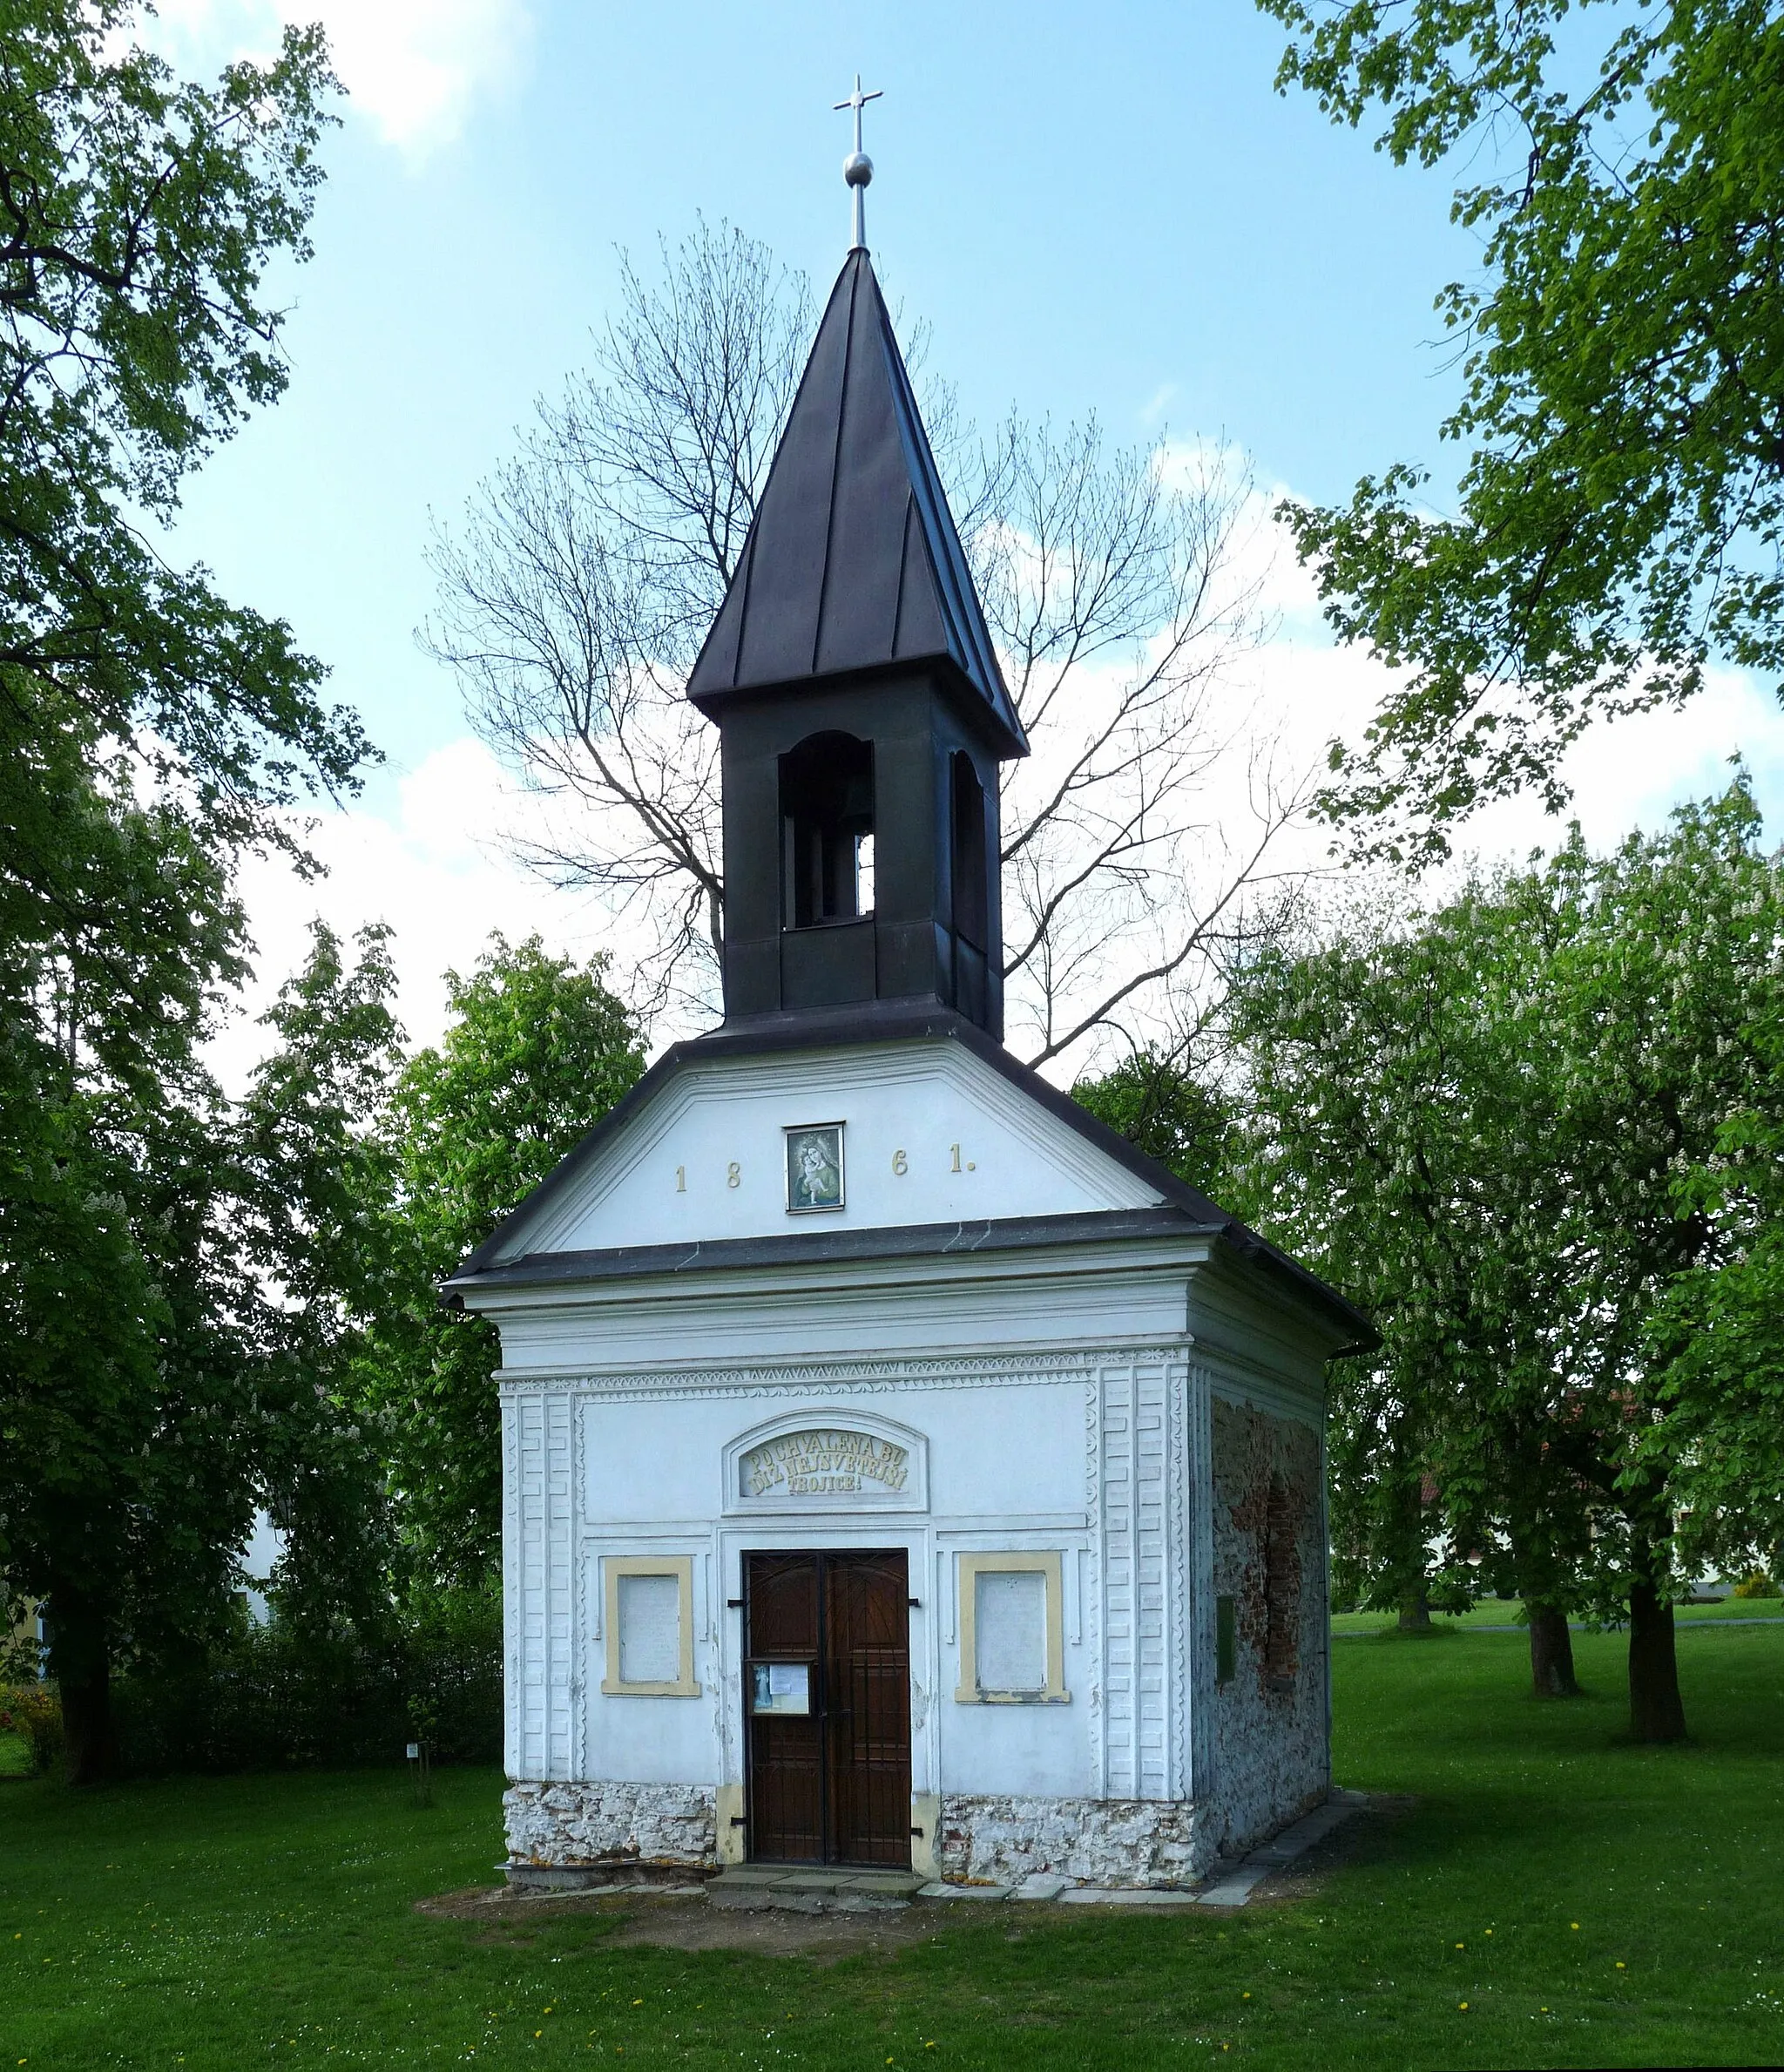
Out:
{"x": 574, "y": 597}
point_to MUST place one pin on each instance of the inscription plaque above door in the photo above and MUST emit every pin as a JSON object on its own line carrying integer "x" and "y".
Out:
{"x": 824, "y": 1463}
{"x": 827, "y": 1457}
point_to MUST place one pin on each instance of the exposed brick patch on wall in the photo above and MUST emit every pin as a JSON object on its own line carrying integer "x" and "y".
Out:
{"x": 1270, "y": 1720}
{"x": 1282, "y": 1550}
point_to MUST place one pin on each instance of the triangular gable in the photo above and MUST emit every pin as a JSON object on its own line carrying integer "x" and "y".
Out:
{"x": 931, "y": 1133}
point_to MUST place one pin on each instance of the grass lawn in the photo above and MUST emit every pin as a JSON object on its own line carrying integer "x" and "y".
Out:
{"x": 1492, "y": 1612}
{"x": 1556, "y": 1898}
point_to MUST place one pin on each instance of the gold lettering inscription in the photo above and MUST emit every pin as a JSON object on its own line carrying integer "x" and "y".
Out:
{"x": 815, "y": 1463}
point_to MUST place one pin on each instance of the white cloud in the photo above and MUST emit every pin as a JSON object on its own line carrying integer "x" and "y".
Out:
{"x": 435, "y": 869}
{"x": 413, "y": 67}
{"x": 1624, "y": 774}
{"x": 1303, "y": 689}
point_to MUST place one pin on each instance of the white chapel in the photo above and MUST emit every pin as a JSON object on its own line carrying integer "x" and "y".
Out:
{"x": 900, "y": 1471}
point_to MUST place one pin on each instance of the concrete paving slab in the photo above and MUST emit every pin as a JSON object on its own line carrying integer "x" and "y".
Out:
{"x": 1124, "y": 1895}
{"x": 963, "y": 1892}
{"x": 1234, "y": 1884}
{"x": 1039, "y": 1887}
{"x": 1231, "y": 1892}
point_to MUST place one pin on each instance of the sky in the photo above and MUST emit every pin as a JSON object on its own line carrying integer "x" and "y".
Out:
{"x": 1103, "y": 208}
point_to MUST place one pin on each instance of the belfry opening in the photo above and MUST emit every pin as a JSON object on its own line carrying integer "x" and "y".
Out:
{"x": 827, "y": 823}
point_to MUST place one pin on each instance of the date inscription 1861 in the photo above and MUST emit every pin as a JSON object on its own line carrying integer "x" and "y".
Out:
{"x": 816, "y": 1463}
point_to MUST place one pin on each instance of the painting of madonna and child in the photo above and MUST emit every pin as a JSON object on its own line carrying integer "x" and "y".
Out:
{"x": 815, "y": 1167}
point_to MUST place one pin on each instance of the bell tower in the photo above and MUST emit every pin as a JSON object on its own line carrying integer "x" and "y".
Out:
{"x": 862, "y": 711}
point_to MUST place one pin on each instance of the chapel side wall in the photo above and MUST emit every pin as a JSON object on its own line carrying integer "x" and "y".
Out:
{"x": 1272, "y": 1754}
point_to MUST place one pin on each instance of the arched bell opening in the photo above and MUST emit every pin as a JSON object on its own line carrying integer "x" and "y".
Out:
{"x": 969, "y": 888}
{"x": 827, "y": 823}
{"x": 972, "y": 886}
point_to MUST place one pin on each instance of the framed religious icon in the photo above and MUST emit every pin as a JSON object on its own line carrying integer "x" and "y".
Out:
{"x": 781, "y": 1687}
{"x": 814, "y": 1166}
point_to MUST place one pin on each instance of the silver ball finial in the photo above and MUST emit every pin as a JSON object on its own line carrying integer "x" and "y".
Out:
{"x": 858, "y": 167}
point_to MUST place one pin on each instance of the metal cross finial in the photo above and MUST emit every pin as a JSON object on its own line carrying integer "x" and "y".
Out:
{"x": 858, "y": 167}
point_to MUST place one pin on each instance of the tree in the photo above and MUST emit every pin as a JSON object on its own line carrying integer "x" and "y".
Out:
{"x": 1474, "y": 1120}
{"x": 538, "y": 1050}
{"x": 1717, "y": 1338}
{"x": 147, "y": 730}
{"x": 1164, "y": 1110}
{"x": 1619, "y": 516}
{"x": 574, "y": 596}
{"x": 317, "y": 1179}
{"x": 138, "y": 217}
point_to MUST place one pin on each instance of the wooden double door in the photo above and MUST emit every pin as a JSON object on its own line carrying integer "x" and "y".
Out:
{"x": 826, "y": 1704}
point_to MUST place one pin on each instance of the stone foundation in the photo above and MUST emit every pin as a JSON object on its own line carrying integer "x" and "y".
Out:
{"x": 999, "y": 1840}
{"x": 578, "y": 1825}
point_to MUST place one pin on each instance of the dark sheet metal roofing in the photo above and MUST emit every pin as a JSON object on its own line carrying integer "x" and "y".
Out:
{"x": 853, "y": 561}
{"x": 832, "y": 1247}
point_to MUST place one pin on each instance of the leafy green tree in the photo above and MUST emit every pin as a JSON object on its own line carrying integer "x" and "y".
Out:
{"x": 147, "y": 729}
{"x": 317, "y": 1181}
{"x": 1389, "y": 1143}
{"x": 138, "y": 217}
{"x": 1477, "y": 1123}
{"x": 537, "y": 1051}
{"x": 122, "y": 1389}
{"x": 1620, "y": 513}
{"x": 1164, "y": 1110}
{"x": 1717, "y": 1337}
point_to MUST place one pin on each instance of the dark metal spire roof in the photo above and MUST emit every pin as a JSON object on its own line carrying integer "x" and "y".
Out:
{"x": 853, "y": 561}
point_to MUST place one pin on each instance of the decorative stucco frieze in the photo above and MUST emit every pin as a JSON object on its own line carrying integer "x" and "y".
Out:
{"x": 850, "y": 1376}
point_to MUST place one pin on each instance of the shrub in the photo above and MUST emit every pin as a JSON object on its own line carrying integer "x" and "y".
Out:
{"x": 276, "y": 1696}
{"x": 1758, "y": 1584}
{"x": 34, "y": 1712}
